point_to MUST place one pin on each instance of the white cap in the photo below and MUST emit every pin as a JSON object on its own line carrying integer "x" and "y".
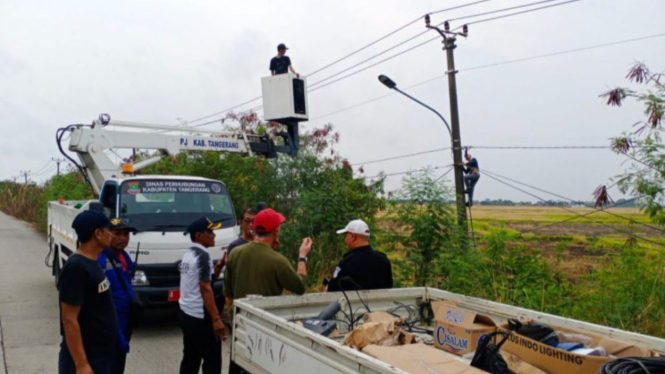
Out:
{"x": 357, "y": 226}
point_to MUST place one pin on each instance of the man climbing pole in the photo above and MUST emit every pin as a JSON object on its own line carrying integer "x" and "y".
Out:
{"x": 281, "y": 64}
{"x": 472, "y": 172}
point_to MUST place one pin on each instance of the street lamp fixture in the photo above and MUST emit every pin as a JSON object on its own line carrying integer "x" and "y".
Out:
{"x": 393, "y": 86}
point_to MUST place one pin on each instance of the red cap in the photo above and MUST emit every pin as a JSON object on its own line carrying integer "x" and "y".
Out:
{"x": 267, "y": 221}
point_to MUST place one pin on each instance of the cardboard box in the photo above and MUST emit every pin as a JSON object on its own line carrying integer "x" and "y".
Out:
{"x": 420, "y": 359}
{"x": 459, "y": 330}
{"x": 556, "y": 361}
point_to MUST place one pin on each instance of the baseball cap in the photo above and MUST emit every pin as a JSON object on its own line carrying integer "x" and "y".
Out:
{"x": 281, "y": 46}
{"x": 120, "y": 224}
{"x": 357, "y": 226}
{"x": 202, "y": 224}
{"x": 88, "y": 221}
{"x": 267, "y": 221}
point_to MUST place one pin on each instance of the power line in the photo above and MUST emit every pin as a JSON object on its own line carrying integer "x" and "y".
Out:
{"x": 544, "y": 147}
{"x": 402, "y": 156}
{"x": 574, "y": 201}
{"x": 375, "y": 64}
{"x": 497, "y": 11}
{"x": 518, "y": 13}
{"x": 577, "y": 214}
{"x": 499, "y": 64}
{"x": 444, "y": 174}
{"x": 368, "y": 59}
{"x": 407, "y": 172}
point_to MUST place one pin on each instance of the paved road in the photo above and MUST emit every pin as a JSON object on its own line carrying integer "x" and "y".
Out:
{"x": 29, "y": 313}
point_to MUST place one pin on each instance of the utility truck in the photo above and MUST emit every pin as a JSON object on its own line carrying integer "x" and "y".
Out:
{"x": 159, "y": 206}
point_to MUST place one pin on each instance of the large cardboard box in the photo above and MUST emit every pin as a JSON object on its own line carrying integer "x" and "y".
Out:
{"x": 459, "y": 330}
{"x": 420, "y": 359}
{"x": 556, "y": 361}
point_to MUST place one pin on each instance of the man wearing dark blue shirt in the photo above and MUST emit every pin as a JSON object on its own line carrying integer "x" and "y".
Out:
{"x": 281, "y": 64}
{"x": 472, "y": 172}
{"x": 118, "y": 266}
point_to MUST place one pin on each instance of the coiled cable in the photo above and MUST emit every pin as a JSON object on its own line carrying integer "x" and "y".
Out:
{"x": 635, "y": 365}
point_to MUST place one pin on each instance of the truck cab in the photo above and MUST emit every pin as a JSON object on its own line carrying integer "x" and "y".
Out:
{"x": 161, "y": 208}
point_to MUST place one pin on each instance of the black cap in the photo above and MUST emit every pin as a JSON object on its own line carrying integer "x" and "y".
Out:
{"x": 202, "y": 224}
{"x": 281, "y": 46}
{"x": 119, "y": 224}
{"x": 88, "y": 221}
{"x": 260, "y": 206}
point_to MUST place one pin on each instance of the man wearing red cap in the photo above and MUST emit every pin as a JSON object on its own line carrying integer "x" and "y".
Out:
{"x": 256, "y": 268}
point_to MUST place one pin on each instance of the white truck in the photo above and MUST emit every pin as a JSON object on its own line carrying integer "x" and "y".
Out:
{"x": 159, "y": 206}
{"x": 267, "y": 341}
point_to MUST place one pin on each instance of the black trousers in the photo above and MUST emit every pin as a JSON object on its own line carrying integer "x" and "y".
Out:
{"x": 121, "y": 357}
{"x": 199, "y": 344}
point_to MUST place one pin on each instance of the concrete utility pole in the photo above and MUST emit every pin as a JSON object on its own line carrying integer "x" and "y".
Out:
{"x": 58, "y": 161}
{"x": 449, "y": 46}
{"x": 25, "y": 175}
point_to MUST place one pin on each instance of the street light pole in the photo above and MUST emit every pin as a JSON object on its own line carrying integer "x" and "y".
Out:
{"x": 455, "y": 144}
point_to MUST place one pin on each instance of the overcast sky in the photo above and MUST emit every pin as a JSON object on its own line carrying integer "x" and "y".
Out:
{"x": 156, "y": 61}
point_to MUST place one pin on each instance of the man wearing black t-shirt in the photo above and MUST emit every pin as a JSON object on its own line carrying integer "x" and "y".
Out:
{"x": 247, "y": 227}
{"x": 361, "y": 268}
{"x": 88, "y": 322}
{"x": 282, "y": 64}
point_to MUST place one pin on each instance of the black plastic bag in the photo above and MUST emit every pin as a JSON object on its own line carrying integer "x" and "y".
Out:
{"x": 487, "y": 356}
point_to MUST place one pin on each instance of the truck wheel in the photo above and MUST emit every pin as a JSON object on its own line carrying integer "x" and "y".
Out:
{"x": 56, "y": 268}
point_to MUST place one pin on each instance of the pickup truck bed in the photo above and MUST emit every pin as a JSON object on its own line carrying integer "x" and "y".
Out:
{"x": 265, "y": 341}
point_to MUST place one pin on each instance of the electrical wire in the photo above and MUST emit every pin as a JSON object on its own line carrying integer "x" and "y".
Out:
{"x": 392, "y": 33}
{"x": 402, "y": 156}
{"x": 406, "y": 172}
{"x": 375, "y": 64}
{"x": 369, "y": 59}
{"x": 444, "y": 174}
{"x": 634, "y": 365}
{"x": 575, "y": 201}
{"x": 497, "y": 11}
{"x": 479, "y": 67}
{"x": 517, "y": 13}
{"x": 576, "y": 213}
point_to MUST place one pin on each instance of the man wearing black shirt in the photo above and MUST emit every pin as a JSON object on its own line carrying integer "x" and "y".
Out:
{"x": 281, "y": 64}
{"x": 361, "y": 268}
{"x": 88, "y": 321}
{"x": 247, "y": 226}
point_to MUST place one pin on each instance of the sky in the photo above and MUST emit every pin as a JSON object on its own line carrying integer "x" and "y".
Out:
{"x": 164, "y": 62}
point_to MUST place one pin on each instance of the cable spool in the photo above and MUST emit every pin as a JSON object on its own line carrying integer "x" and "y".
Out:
{"x": 635, "y": 365}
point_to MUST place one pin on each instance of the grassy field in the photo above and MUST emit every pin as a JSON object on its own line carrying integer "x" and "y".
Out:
{"x": 577, "y": 246}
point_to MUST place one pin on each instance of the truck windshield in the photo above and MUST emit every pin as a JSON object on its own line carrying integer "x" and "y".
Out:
{"x": 171, "y": 205}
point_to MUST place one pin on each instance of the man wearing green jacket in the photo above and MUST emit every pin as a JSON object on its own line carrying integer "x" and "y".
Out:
{"x": 256, "y": 268}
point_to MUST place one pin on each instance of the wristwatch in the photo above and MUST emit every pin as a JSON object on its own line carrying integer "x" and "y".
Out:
{"x": 303, "y": 259}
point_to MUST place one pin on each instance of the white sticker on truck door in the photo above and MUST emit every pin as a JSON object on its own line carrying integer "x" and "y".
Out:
{"x": 273, "y": 356}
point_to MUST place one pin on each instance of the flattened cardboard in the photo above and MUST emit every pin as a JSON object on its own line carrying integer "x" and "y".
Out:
{"x": 459, "y": 330}
{"x": 555, "y": 361}
{"x": 379, "y": 317}
{"x": 420, "y": 359}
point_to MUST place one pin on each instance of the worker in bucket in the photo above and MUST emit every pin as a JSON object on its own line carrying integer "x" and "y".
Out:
{"x": 281, "y": 64}
{"x": 472, "y": 172}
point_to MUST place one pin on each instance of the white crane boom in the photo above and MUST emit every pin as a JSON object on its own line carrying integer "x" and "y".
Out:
{"x": 90, "y": 142}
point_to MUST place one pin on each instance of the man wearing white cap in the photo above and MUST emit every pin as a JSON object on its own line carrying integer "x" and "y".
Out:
{"x": 361, "y": 268}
